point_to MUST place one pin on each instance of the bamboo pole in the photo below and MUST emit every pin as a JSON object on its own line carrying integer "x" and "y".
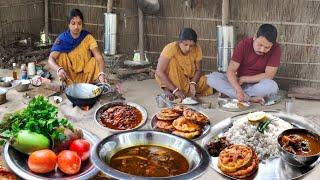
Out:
{"x": 109, "y": 6}
{"x": 46, "y": 18}
{"x": 225, "y": 12}
{"x": 141, "y": 34}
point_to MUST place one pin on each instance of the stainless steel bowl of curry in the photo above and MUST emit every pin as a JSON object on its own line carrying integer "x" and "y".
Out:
{"x": 299, "y": 147}
{"x": 149, "y": 154}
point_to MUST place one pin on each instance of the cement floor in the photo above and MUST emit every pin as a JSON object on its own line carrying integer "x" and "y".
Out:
{"x": 144, "y": 93}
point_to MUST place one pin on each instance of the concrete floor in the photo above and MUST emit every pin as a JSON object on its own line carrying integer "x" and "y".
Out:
{"x": 144, "y": 93}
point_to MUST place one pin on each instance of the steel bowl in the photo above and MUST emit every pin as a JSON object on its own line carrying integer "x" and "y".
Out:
{"x": 101, "y": 153}
{"x": 22, "y": 85}
{"x": 5, "y": 81}
{"x": 298, "y": 160}
{"x": 17, "y": 162}
{"x": 115, "y": 103}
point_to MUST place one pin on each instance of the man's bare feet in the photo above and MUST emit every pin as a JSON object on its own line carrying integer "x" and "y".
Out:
{"x": 257, "y": 99}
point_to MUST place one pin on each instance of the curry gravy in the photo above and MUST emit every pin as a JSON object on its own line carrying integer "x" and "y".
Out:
{"x": 300, "y": 144}
{"x": 149, "y": 161}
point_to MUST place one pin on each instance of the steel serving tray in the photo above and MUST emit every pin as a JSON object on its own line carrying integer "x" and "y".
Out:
{"x": 268, "y": 169}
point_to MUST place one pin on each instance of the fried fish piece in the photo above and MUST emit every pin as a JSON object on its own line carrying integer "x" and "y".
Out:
{"x": 167, "y": 114}
{"x": 189, "y": 135}
{"x": 246, "y": 171}
{"x": 185, "y": 125}
{"x": 165, "y": 125}
{"x": 235, "y": 157}
{"x": 195, "y": 116}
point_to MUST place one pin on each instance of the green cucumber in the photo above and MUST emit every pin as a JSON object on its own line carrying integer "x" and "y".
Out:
{"x": 27, "y": 142}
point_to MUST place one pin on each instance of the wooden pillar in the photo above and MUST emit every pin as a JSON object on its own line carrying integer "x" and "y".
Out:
{"x": 141, "y": 34}
{"x": 46, "y": 18}
{"x": 225, "y": 12}
{"x": 109, "y": 6}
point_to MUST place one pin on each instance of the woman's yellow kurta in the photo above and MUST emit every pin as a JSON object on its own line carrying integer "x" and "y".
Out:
{"x": 181, "y": 68}
{"x": 80, "y": 64}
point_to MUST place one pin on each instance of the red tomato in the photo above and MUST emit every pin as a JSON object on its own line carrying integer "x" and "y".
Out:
{"x": 42, "y": 161}
{"x": 69, "y": 162}
{"x": 82, "y": 147}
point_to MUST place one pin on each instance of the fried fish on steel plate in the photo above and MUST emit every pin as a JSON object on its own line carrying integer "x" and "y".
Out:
{"x": 194, "y": 116}
{"x": 167, "y": 114}
{"x": 238, "y": 161}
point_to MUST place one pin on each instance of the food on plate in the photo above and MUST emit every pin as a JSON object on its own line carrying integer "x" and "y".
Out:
{"x": 149, "y": 161}
{"x": 216, "y": 145}
{"x": 42, "y": 161}
{"x": 81, "y": 147}
{"x": 189, "y": 100}
{"x": 185, "y": 125}
{"x": 189, "y": 135}
{"x": 194, "y": 116}
{"x": 234, "y": 157}
{"x": 264, "y": 144}
{"x": 300, "y": 143}
{"x": 179, "y": 109}
{"x": 165, "y": 125}
{"x": 121, "y": 117}
{"x": 27, "y": 142}
{"x": 168, "y": 114}
{"x": 257, "y": 117}
{"x": 69, "y": 162}
{"x": 70, "y": 136}
{"x": 181, "y": 121}
{"x": 238, "y": 161}
{"x": 6, "y": 174}
{"x": 235, "y": 104}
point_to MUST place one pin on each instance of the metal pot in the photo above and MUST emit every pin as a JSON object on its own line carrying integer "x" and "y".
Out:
{"x": 3, "y": 92}
{"x": 83, "y": 94}
{"x": 149, "y": 6}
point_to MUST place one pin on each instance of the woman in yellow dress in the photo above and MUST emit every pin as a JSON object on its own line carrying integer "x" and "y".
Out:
{"x": 179, "y": 68}
{"x": 75, "y": 55}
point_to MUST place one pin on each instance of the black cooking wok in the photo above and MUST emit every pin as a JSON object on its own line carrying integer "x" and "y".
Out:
{"x": 83, "y": 94}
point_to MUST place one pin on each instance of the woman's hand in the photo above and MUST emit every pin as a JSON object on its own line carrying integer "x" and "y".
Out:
{"x": 193, "y": 90}
{"x": 180, "y": 94}
{"x": 102, "y": 78}
{"x": 62, "y": 74}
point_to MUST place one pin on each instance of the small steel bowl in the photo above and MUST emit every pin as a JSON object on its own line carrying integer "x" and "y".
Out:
{"x": 298, "y": 160}
{"x": 23, "y": 85}
{"x": 115, "y": 103}
{"x": 102, "y": 152}
{"x": 5, "y": 81}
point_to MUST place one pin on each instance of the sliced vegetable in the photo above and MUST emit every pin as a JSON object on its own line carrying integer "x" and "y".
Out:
{"x": 42, "y": 161}
{"x": 27, "y": 142}
{"x": 69, "y": 162}
{"x": 263, "y": 126}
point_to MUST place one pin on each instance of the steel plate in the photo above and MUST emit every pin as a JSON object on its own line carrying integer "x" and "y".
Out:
{"x": 17, "y": 162}
{"x": 268, "y": 169}
{"x": 107, "y": 105}
{"x": 205, "y": 128}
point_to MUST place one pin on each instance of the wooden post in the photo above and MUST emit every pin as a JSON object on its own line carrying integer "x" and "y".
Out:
{"x": 109, "y": 6}
{"x": 46, "y": 18}
{"x": 225, "y": 12}
{"x": 141, "y": 34}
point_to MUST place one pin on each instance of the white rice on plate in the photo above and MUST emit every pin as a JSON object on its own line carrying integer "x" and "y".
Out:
{"x": 264, "y": 144}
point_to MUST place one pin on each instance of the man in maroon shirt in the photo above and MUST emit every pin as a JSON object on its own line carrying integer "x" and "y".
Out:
{"x": 253, "y": 66}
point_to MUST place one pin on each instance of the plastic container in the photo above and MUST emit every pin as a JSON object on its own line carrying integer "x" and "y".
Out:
{"x": 31, "y": 69}
{"x": 24, "y": 72}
